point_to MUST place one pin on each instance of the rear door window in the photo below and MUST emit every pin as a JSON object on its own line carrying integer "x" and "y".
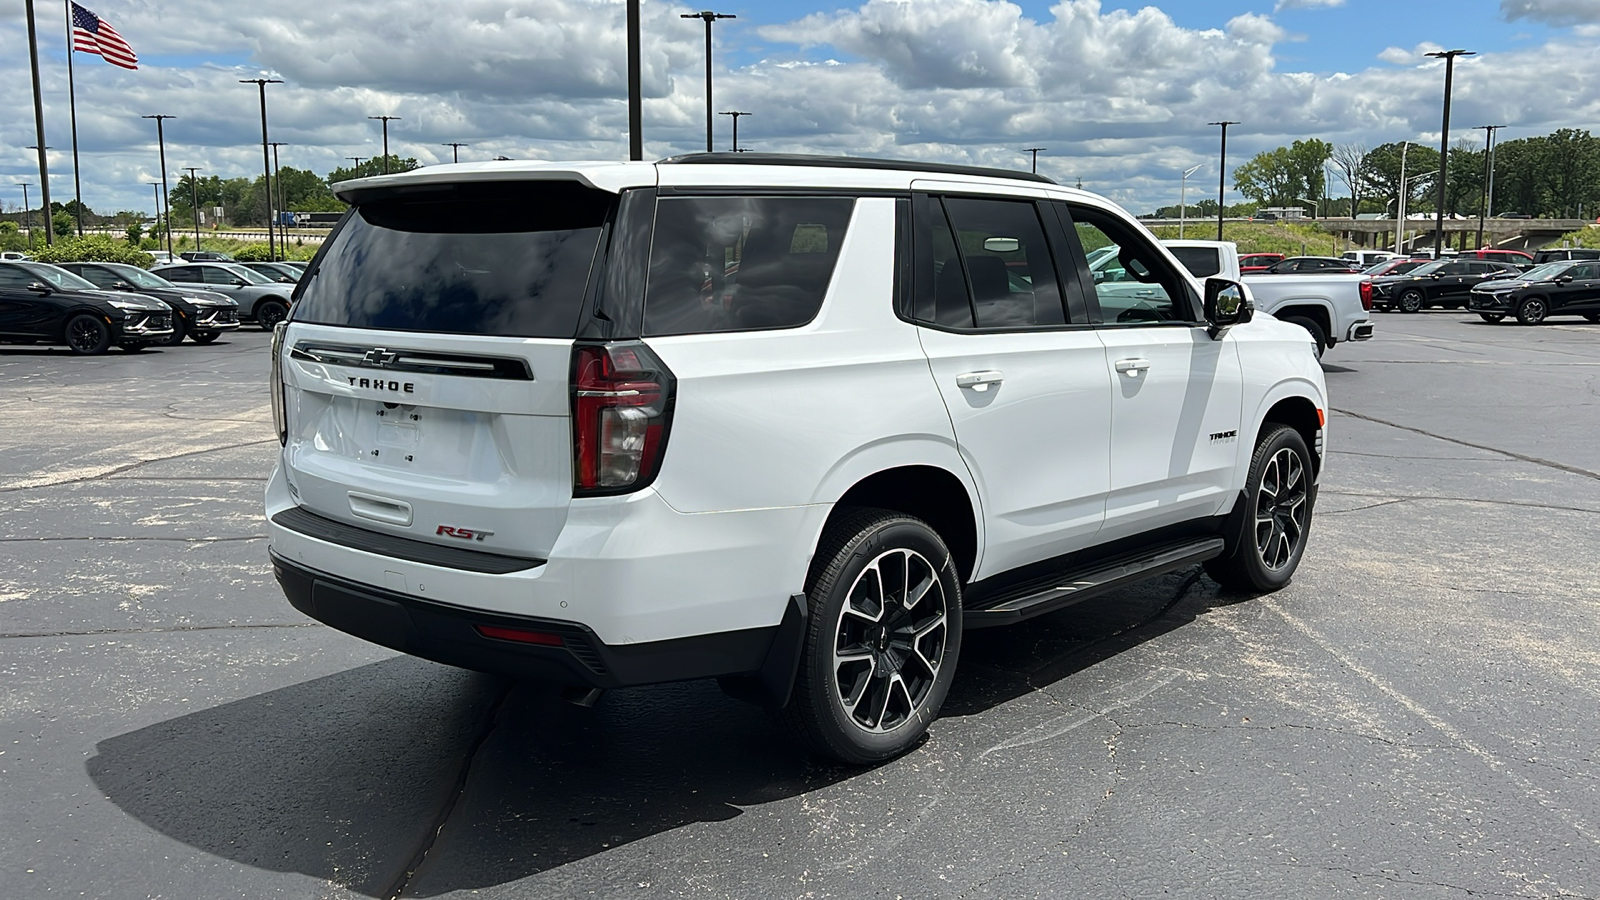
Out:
{"x": 741, "y": 263}
{"x": 1202, "y": 262}
{"x": 509, "y": 259}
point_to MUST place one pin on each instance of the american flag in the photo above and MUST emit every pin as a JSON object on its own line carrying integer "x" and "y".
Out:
{"x": 92, "y": 34}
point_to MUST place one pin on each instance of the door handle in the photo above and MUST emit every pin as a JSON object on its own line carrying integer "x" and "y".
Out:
{"x": 1132, "y": 368}
{"x": 979, "y": 381}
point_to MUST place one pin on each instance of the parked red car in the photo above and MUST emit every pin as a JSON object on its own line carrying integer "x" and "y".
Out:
{"x": 1258, "y": 262}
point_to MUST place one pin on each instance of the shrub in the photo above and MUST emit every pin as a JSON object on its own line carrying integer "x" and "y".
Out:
{"x": 93, "y": 248}
{"x": 253, "y": 253}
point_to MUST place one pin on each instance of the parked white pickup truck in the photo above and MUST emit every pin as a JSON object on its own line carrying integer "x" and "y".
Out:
{"x": 1332, "y": 308}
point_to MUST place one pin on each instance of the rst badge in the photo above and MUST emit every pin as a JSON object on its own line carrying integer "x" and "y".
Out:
{"x": 465, "y": 534}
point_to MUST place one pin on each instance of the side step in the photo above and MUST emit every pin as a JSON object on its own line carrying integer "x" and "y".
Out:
{"x": 1043, "y": 595}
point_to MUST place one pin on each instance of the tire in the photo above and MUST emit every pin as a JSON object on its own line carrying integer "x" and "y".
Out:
{"x": 1410, "y": 302}
{"x": 269, "y": 313}
{"x": 179, "y": 329}
{"x": 1492, "y": 318}
{"x": 206, "y": 337}
{"x": 87, "y": 335}
{"x": 1264, "y": 551}
{"x": 1532, "y": 311}
{"x": 898, "y": 685}
{"x": 133, "y": 347}
{"x": 1319, "y": 338}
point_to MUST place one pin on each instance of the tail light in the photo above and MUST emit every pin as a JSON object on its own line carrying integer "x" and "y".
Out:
{"x": 1366, "y": 294}
{"x": 280, "y": 416}
{"x": 621, "y": 408}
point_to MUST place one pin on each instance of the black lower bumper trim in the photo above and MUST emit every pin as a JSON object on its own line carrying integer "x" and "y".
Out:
{"x": 446, "y": 634}
{"x": 310, "y": 524}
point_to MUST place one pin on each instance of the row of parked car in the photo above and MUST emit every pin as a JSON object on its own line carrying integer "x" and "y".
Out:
{"x": 91, "y": 306}
{"x": 1496, "y": 284}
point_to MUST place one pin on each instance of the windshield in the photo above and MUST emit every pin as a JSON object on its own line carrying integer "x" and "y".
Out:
{"x": 139, "y": 277}
{"x": 249, "y": 275}
{"x": 1543, "y": 273}
{"x": 509, "y": 259}
{"x": 1428, "y": 268}
{"x": 61, "y": 278}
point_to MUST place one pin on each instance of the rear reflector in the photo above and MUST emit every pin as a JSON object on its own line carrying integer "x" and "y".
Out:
{"x": 543, "y": 638}
{"x": 1366, "y": 295}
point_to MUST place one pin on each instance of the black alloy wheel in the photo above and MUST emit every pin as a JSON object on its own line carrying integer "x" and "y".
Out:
{"x": 269, "y": 313}
{"x": 1492, "y": 318}
{"x": 1265, "y": 549}
{"x": 1532, "y": 311}
{"x": 1411, "y": 301}
{"x": 87, "y": 335}
{"x": 882, "y": 640}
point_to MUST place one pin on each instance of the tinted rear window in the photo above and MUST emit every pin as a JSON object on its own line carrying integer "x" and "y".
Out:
{"x": 506, "y": 259}
{"x": 1202, "y": 262}
{"x": 741, "y": 263}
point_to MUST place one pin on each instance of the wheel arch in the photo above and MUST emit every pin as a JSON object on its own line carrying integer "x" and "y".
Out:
{"x": 1316, "y": 312}
{"x": 931, "y": 493}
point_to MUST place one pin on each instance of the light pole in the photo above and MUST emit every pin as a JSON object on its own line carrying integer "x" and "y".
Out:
{"x": 155, "y": 188}
{"x": 194, "y": 201}
{"x": 635, "y": 98}
{"x": 1449, "y": 57}
{"x": 1400, "y": 202}
{"x": 1488, "y": 176}
{"x": 38, "y": 123}
{"x": 44, "y": 210}
{"x": 709, "y": 17}
{"x": 455, "y": 149}
{"x": 1183, "y": 209}
{"x": 358, "y": 160}
{"x": 386, "y": 120}
{"x": 161, "y": 139}
{"x": 1035, "y": 162}
{"x": 1222, "y": 175}
{"x": 1316, "y": 206}
{"x": 277, "y": 178}
{"x": 735, "y": 114}
{"x": 266, "y": 162}
{"x": 27, "y": 210}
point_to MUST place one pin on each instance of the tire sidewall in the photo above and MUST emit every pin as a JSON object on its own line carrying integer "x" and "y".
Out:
{"x": 277, "y": 309}
{"x": 827, "y": 597}
{"x": 1407, "y": 299}
{"x": 178, "y": 332}
{"x": 1526, "y": 311}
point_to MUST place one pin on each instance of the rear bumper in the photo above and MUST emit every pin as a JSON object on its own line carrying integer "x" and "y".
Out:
{"x": 1360, "y": 331}
{"x": 449, "y": 634}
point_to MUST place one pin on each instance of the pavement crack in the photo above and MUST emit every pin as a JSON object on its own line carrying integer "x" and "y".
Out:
{"x": 1335, "y": 512}
{"x": 128, "y": 467}
{"x": 1548, "y": 463}
{"x": 163, "y": 629}
{"x": 1525, "y": 504}
{"x": 491, "y": 720}
{"x": 185, "y": 540}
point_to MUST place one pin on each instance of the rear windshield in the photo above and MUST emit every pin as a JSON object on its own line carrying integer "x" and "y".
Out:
{"x": 507, "y": 259}
{"x": 741, "y": 263}
{"x": 1202, "y": 262}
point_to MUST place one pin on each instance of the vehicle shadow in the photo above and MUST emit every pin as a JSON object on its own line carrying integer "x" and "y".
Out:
{"x": 1337, "y": 370}
{"x": 325, "y": 779}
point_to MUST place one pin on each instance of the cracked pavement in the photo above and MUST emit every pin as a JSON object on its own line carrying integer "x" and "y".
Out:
{"x": 1416, "y": 715}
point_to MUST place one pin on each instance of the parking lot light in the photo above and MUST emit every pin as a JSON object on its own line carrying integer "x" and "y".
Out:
{"x": 1222, "y": 173}
{"x": 1449, "y": 57}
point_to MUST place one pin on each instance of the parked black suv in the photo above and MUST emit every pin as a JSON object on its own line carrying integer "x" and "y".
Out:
{"x": 1445, "y": 283}
{"x": 1570, "y": 288}
{"x": 41, "y": 303}
{"x": 1558, "y": 254}
{"x": 202, "y": 315}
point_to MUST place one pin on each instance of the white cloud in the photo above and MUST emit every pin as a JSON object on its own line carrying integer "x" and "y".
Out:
{"x": 1402, "y": 57}
{"x": 1305, "y": 4}
{"x": 1120, "y": 97}
{"x": 1552, "y": 12}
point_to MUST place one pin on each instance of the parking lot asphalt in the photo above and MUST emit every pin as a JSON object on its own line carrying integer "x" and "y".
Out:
{"x": 1416, "y": 715}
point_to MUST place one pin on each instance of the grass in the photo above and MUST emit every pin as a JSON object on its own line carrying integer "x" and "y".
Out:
{"x": 294, "y": 250}
{"x": 1262, "y": 237}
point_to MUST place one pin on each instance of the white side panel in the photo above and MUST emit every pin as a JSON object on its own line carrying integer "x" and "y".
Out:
{"x": 1037, "y": 441}
{"x": 1174, "y": 427}
{"x": 796, "y": 416}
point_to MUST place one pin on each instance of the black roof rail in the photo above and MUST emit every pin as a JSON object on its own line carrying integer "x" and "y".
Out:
{"x": 848, "y": 162}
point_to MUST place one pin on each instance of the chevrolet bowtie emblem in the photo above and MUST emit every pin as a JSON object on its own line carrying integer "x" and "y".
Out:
{"x": 378, "y": 357}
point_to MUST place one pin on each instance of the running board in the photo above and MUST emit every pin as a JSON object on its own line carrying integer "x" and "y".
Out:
{"x": 1040, "y": 596}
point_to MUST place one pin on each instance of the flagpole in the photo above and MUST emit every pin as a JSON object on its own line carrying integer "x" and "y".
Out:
{"x": 38, "y": 125}
{"x": 72, "y": 104}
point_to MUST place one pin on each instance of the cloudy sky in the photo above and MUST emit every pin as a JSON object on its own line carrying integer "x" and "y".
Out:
{"x": 1118, "y": 92}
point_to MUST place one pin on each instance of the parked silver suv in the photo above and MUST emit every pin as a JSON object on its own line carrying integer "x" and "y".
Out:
{"x": 795, "y": 423}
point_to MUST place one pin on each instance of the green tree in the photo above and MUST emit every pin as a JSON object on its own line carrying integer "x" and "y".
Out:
{"x": 1285, "y": 176}
{"x": 62, "y": 223}
{"x": 93, "y": 248}
{"x": 1381, "y": 173}
{"x": 372, "y": 167}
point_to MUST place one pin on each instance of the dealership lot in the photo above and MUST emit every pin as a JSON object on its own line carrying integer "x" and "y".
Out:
{"x": 1415, "y": 715}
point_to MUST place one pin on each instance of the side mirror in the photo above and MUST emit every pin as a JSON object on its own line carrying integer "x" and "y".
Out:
{"x": 238, "y": 282}
{"x": 121, "y": 286}
{"x": 1225, "y": 306}
{"x": 284, "y": 279}
{"x": 39, "y": 287}
{"x": 1564, "y": 279}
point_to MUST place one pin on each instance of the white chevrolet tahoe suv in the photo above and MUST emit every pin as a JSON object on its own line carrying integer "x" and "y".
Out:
{"x": 794, "y": 423}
